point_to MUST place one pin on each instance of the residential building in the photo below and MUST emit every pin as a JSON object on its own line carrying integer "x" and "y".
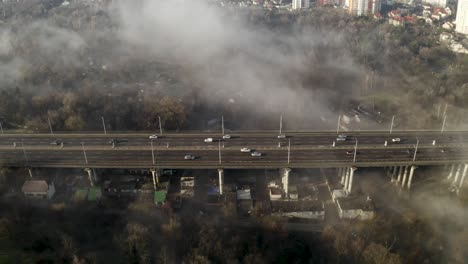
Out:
{"x": 187, "y": 184}
{"x": 462, "y": 17}
{"x": 293, "y": 194}
{"x": 275, "y": 193}
{"x": 38, "y": 189}
{"x": 355, "y": 208}
{"x": 299, "y": 209}
{"x": 438, "y": 3}
{"x": 298, "y": 4}
{"x": 364, "y": 7}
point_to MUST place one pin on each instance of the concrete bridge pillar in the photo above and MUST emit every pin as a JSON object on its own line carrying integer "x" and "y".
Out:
{"x": 465, "y": 169}
{"x": 403, "y": 182}
{"x": 400, "y": 173}
{"x": 394, "y": 172}
{"x": 452, "y": 168}
{"x": 343, "y": 175}
{"x": 411, "y": 173}
{"x": 90, "y": 176}
{"x": 457, "y": 173}
{"x": 155, "y": 174}
{"x": 285, "y": 181}
{"x": 351, "y": 174}
{"x": 30, "y": 172}
{"x": 345, "y": 186}
{"x": 221, "y": 180}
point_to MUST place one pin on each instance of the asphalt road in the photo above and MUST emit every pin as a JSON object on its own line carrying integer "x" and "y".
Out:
{"x": 308, "y": 149}
{"x": 230, "y": 158}
{"x": 238, "y": 139}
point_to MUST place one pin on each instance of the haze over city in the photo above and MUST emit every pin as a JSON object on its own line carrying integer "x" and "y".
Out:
{"x": 238, "y": 131}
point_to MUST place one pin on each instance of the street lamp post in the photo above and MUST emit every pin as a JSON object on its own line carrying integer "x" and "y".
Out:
{"x": 160, "y": 125}
{"x": 219, "y": 151}
{"x": 222, "y": 125}
{"x": 289, "y": 150}
{"x": 84, "y": 153}
{"x": 50, "y": 126}
{"x": 281, "y": 124}
{"x": 24, "y": 152}
{"x": 104, "y": 125}
{"x": 416, "y": 149}
{"x": 152, "y": 151}
{"x": 355, "y": 152}
{"x": 443, "y": 124}
{"x": 391, "y": 125}
{"x": 338, "y": 126}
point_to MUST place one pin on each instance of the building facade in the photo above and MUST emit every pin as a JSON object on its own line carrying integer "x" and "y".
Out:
{"x": 364, "y": 7}
{"x": 438, "y": 3}
{"x": 298, "y": 4}
{"x": 462, "y": 17}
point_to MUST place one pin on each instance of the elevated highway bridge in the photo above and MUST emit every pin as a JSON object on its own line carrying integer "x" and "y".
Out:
{"x": 324, "y": 149}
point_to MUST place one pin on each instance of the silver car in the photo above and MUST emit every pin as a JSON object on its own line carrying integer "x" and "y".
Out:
{"x": 256, "y": 154}
{"x": 189, "y": 157}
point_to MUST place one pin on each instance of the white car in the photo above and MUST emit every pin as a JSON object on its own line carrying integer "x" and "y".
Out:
{"x": 245, "y": 150}
{"x": 226, "y": 136}
{"x": 208, "y": 139}
{"x": 340, "y": 139}
{"x": 189, "y": 157}
{"x": 256, "y": 154}
{"x": 153, "y": 137}
{"x": 396, "y": 140}
{"x": 282, "y": 136}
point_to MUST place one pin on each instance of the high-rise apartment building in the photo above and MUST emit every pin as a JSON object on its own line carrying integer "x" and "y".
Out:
{"x": 364, "y": 7}
{"x": 462, "y": 17}
{"x": 298, "y": 4}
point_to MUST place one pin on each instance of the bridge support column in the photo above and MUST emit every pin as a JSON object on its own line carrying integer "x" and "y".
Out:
{"x": 351, "y": 174}
{"x": 30, "y": 172}
{"x": 343, "y": 175}
{"x": 221, "y": 180}
{"x": 394, "y": 172}
{"x": 285, "y": 181}
{"x": 452, "y": 168}
{"x": 411, "y": 173}
{"x": 400, "y": 173}
{"x": 90, "y": 176}
{"x": 465, "y": 169}
{"x": 403, "y": 182}
{"x": 155, "y": 174}
{"x": 345, "y": 186}
{"x": 457, "y": 173}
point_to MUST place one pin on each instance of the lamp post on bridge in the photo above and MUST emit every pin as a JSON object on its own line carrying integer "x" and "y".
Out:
{"x": 391, "y": 125}
{"x": 24, "y": 151}
{"x": 104, "y": 125}
{"x": 50, "y": 125}
{"x": 222, "y": 125}
{"x": 289, "y": 150}
{"x": 443, "y": 124}
{"x": 416, "y": 149}
{"x": 338, "y": 126}
{"x": 219, "y": 152}
{"x": 281, "y": 124}
{"x": 84, "y": 153}
{"x": 160, "y": 125}
{"x": 355, "y": 151}
{"x": 152, "y": 152}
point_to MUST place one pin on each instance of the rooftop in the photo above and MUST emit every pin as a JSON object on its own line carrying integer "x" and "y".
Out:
{"x": 354, "y": 203}
{"x": 35, "y": 186}
{"x": 296, "y": 206}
